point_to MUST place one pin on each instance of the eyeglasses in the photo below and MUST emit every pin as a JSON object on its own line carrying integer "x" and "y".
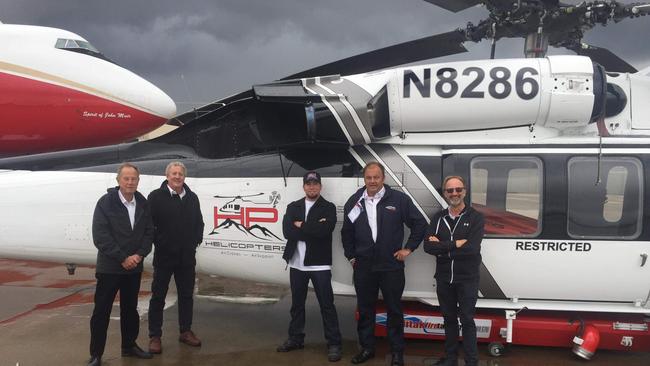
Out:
{"x": 457, "y": 189}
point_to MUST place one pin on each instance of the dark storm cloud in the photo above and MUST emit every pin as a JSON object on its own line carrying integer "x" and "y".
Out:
{"x": 202, "y": 50}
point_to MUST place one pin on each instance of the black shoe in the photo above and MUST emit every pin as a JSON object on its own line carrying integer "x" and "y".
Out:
{"x": 333, "y": 353}
{"x": 95, "y": 361}
{"x": 446, "y": 362}
{"x": 362, "y": 356}
{"x": 397, "y": 359}
{"x": 136, "y": 352}
{"x": 290, "y": 345}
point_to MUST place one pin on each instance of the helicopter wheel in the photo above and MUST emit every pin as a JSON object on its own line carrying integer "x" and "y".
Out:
{"x": 496, "y": 349}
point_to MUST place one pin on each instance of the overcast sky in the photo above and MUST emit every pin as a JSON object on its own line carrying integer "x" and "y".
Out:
{"x": 199, "y": 51}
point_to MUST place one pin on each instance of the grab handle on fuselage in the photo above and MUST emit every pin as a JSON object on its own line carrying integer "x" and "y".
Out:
{"x": 644, "y": 258}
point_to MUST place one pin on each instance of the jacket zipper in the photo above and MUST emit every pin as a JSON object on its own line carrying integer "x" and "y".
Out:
{"x": 451, "y": 234}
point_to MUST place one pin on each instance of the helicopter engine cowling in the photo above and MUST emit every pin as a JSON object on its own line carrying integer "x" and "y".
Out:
{"x": 558, "y": 92}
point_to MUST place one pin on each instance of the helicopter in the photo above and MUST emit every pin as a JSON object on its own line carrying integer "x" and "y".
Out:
{"x": 553, "y": 149}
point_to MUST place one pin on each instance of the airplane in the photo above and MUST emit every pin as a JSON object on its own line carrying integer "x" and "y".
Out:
{"x": 59, "y": 92}
{"x": 553, "y": 148}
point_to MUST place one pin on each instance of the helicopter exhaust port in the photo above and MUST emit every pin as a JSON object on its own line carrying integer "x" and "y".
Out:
{"x": 323, "y": 109}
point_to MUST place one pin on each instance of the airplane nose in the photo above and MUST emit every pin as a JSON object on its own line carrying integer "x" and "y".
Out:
{"x": 162, "y": 104}
{"x": 156, "y": 101}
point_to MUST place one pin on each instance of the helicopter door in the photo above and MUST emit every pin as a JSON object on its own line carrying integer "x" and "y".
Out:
{"x": 606, "y": 210}
{"x": 577, "y": 238}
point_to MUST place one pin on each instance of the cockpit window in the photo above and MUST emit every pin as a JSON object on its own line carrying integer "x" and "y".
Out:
{"x": 77, "y": 45}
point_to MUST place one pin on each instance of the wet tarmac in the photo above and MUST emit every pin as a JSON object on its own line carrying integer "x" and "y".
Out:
{"x": 44, "y": 320}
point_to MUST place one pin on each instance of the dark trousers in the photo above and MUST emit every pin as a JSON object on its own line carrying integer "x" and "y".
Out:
{"x": 107, "y": 287}
{"x": 185, "y": 277}
{"x": 458, "y": 300}
{"x": 367, "y": 285}
{"x": 322, "y": 282}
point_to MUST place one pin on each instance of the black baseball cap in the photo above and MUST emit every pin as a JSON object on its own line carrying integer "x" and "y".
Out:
{"x": 311, "y": 177}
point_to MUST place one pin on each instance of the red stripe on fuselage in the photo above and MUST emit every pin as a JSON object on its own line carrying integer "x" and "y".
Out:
{"x": 37, "y": 117}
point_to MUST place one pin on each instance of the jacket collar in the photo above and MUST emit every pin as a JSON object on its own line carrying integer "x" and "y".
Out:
{"x": 139, "y": 199}
{"x": 465, "y": 210}
{"x": 164, "y": 185}
{"x": 359, "y": 193}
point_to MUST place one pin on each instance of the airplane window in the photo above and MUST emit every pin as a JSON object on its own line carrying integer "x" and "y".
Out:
{"x": 611, "y": 208}
{"x": 508, "y": 191}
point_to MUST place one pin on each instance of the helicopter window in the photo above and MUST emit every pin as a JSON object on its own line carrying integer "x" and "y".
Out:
{"x": 77, "y": 45}
{"x": 611, "y": 208}
{"x": 508, "y": 192}
{"x": 615, "y": 101}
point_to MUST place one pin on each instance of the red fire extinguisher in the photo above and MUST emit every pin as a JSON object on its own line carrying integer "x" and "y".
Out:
{"x": 586, "y": 341}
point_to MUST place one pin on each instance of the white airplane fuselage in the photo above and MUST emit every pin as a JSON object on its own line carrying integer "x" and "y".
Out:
{"x": 57, "y": 92}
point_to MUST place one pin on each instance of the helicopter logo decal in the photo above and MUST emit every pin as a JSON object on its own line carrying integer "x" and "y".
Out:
{"x": 244, "y": 214}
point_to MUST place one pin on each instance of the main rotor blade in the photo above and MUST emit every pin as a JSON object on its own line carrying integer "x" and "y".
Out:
{"x": 443, "y": 44}
{"x": 606, "y": 58}
{"x": 454, "y": 5}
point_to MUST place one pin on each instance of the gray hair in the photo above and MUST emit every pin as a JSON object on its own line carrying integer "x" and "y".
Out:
{"x": 450, "y": 177}
{"x": 173, "y": 164}
{"x": 126, "y": 165}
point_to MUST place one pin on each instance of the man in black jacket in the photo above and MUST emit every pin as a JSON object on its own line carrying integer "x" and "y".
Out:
{"x": 372, "y": 235}
{"x": 308, "y": 224}
{"x": 454, "y": 237}
{"x": 122, "y": 233}
{"x": 178, "y": 227}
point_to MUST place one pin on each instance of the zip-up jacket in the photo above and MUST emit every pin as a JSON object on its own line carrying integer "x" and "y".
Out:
{"x": 113, "y": 236}
{"x": 178, "y": 227}
{"x": 316, "y": 231}
{"x": 456, "y": 264}
{"x": 394, "y": 210}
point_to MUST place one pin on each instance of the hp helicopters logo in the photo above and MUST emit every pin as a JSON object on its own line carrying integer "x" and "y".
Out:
{"x": 243, "y": 215}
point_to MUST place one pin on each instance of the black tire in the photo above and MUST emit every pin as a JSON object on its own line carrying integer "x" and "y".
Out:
{"x": 496, "y": 349}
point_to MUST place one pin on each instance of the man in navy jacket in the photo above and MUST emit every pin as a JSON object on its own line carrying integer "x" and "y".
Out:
{"x": 308, "y": 224}
{"x": 178, "y": 224}
{"x": 454, "y": 237}
{"x": 122, "y": 233}
{"x": 372, "y": 235}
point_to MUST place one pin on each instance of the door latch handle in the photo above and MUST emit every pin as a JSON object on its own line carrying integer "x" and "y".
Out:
{"x": 644, "y": 258}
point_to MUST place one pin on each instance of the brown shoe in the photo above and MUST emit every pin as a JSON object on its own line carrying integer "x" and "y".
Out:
{"x": 155, "y": 346}
{"x": 190, "y": 339}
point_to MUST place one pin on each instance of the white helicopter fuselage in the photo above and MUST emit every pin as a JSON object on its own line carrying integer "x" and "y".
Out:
{"x": 566, "y": 219}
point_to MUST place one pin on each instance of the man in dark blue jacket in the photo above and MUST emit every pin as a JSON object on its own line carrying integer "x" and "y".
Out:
{"x": 454, "y": 237}
{"x": 178, "y": 230}
{"x": 308, "y": 224}
{"x": 122, "y": 233}
{"x": 372, "y": 235}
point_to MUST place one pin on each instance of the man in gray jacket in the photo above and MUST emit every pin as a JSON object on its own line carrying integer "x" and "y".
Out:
{"x": 122, "y": 233}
